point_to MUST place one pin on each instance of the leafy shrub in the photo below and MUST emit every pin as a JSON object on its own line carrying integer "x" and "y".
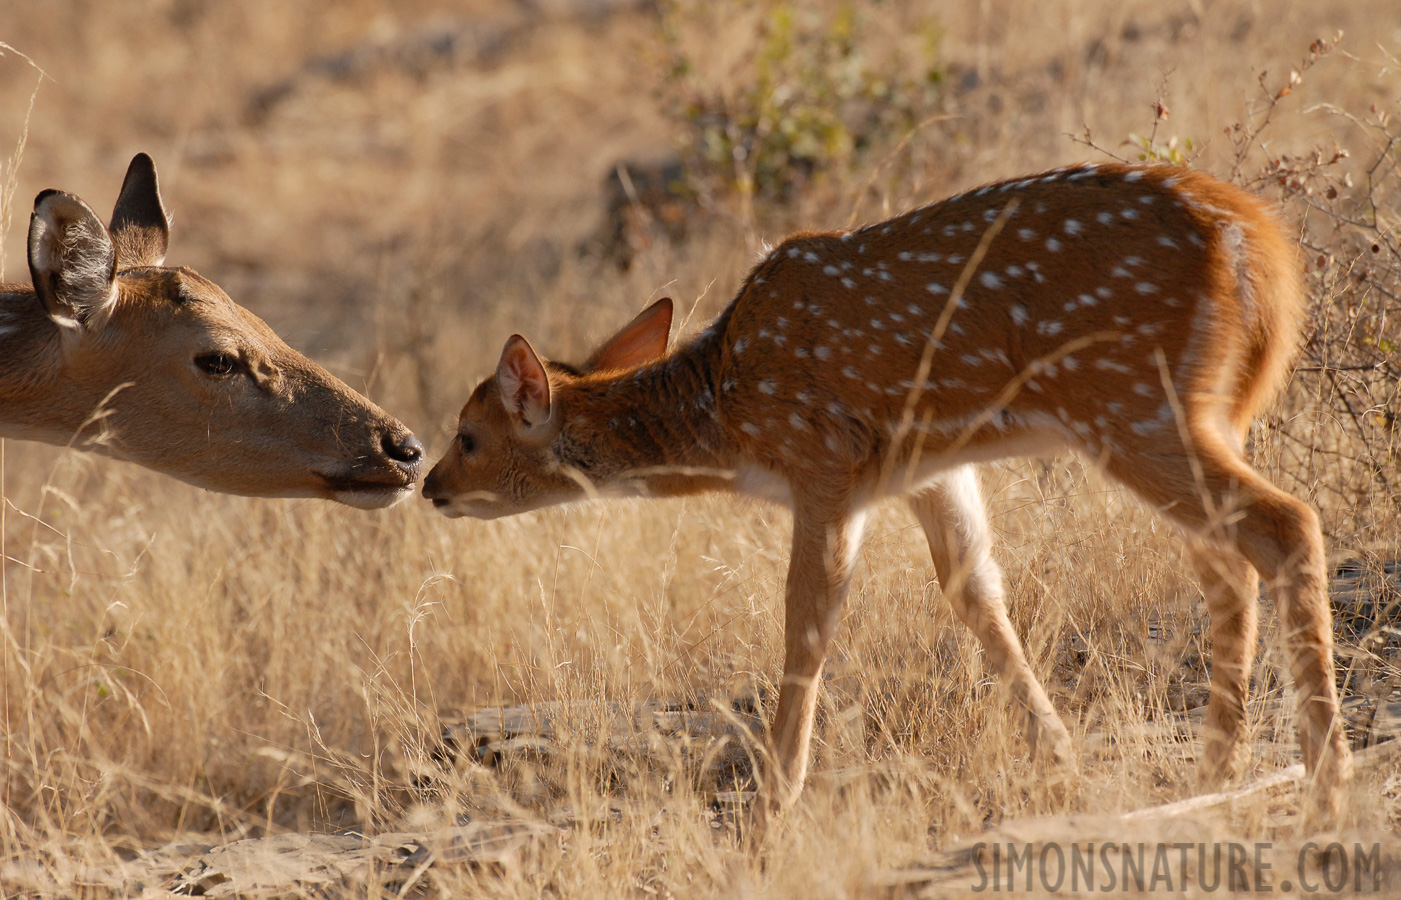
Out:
{"x": 817, "y": 92}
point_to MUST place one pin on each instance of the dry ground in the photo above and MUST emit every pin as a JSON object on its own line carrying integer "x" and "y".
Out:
{"x": 397, "y": 187}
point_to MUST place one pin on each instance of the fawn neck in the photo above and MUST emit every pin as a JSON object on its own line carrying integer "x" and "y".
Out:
{"x": 652, "y": 429}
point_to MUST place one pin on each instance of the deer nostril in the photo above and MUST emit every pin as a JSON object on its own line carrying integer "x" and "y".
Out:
{"x": 406, "y": 449}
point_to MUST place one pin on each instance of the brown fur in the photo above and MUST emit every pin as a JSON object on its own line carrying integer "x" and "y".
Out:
{"x": 1142, "y": 315}
{"x": 106, "y": 352}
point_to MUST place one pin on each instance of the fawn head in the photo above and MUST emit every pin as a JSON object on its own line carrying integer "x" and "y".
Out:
{"x": 156, "y": 365}
{"x": 533, "y": 435}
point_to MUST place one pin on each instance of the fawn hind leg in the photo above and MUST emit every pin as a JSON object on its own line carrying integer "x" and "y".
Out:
{"x": 1231, "y": 587}
{"x": 1223, "y": 497}
{"x": 951, "y": 511}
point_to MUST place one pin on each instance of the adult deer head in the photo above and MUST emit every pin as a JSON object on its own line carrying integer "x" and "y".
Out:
{"x": 113, "y": 351}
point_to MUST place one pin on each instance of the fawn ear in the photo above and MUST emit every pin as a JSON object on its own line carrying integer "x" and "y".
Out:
{"x": 140, "y": 228}
{"x": 71, "y": 259}
{"x": 523, "y": 382}
{"x": 641, "y": 340}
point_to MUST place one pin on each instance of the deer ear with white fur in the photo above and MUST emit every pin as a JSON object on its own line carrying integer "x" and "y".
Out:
{"x": 524, "y": 383}
{"x": 72, "y": 259}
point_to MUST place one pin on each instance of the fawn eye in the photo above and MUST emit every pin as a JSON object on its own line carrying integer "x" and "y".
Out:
{"x": 467, "y": 444}
{"x": 218, "y": 364}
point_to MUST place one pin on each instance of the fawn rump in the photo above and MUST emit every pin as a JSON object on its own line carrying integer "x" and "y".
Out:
{"x": 1142, "y": 315}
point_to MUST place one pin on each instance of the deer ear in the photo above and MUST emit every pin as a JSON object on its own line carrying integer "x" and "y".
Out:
{"x": 641, "y": 341}
{"x": 523, "y": 382}
{"x": 140, "y": 228}
{"x": 71, "y": 259}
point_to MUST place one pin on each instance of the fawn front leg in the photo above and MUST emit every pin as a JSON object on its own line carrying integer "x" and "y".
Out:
{"x": 825, "y": 543}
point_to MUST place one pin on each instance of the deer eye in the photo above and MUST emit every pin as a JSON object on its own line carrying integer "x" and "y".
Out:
{"x": 468, "y": 445}
{"x": 218, "y": 364}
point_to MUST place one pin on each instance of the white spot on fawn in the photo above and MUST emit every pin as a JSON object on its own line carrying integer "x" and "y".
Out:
{"x": 1019, "y": 316}
{"x": 1072, "y": 227}
{"x": 1053, "y": 245}
{"x": 768, "y": 386}
{"x": 989, "y": 280}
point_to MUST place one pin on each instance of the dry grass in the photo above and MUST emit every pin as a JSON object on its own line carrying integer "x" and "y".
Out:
{"x": 178, "y": 663}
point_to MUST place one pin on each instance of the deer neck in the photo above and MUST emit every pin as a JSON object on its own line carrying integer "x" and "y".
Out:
{"x": 658, "y": 424}
{"x": 38, "y": 401}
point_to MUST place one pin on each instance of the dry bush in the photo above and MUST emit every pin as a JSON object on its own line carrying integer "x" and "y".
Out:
{"x": 178, "y": 663}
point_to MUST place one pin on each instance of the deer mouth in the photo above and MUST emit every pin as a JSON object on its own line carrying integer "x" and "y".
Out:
{"x": 370, "y": 492}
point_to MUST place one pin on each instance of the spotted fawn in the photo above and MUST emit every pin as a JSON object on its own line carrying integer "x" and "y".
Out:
{"x": 1142, "y": 315}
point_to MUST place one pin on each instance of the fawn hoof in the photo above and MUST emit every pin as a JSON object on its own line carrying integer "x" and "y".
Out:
{"x": 762, "y": 819}
{"x": 1222, "y": 765}
{"x": 1052, "y": 748}
{"x": 1324, "y": 800}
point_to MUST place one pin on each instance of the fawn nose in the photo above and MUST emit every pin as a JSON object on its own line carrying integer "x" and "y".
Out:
{"x": 404, "y": 449}
{"x": 435, "y": 490}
